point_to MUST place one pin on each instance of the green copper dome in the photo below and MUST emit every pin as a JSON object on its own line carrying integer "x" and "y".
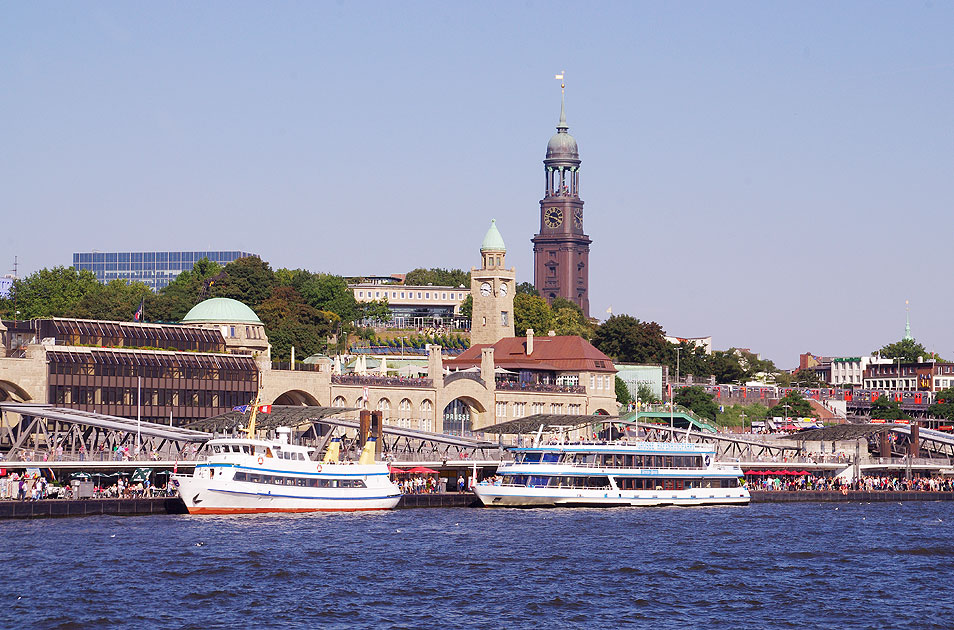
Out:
{"x": 493, "y": 242}
{"x": 221, "y": 311}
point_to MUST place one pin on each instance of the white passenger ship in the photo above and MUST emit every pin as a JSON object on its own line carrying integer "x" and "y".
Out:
{"x": 614, "y": 474}
{"x": 250, "y": 475}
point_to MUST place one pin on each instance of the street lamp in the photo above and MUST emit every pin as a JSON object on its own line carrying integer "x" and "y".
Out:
{"x": 678, "y": 350}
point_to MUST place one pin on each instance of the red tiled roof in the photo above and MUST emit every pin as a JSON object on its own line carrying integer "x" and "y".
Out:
{"x": 570, "y": 353}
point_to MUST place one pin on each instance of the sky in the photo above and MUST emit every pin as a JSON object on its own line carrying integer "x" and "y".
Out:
{"x": 775, "y": 175}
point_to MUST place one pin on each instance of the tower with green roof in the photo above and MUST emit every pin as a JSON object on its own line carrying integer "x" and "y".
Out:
{"x": 492, "y": 288}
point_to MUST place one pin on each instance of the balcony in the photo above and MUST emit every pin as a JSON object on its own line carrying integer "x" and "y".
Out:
{"x": 380, "y": 381}
{"x": 514, "y": 386}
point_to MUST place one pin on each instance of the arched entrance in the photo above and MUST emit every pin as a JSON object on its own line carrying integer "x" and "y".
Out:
{"x": 296, "y": 397}
{"x": 457, "y": 420}
{"x": 10, "y": 392}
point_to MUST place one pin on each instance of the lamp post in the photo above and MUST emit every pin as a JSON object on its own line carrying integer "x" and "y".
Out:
{"x": 678, "y": 350}
{"x": 787, "y": 407}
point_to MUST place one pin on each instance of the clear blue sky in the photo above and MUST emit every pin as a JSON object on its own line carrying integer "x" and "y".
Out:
{"x": 776, "y": 175}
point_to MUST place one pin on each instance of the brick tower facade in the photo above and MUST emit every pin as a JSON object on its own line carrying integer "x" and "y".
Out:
{"x": 561, "y": 250}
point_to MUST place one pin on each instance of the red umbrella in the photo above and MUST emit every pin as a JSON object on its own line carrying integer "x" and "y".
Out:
{"x": 802, "y": 472}
{"x": 423, "y": 471}
{"x": 395, "y": 469}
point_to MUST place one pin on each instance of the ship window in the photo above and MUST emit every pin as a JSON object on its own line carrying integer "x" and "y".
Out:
{"x": 551, "y": 457}
{"x": 240, "y": 476}
{"x": 597, "y": 482}
{"x": 531, "y": 458}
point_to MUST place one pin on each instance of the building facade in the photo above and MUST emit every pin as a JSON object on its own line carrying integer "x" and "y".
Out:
{"x": 561, "y": 249}
{"x": 155, "y": 269}
{"x": 413, "y": 306}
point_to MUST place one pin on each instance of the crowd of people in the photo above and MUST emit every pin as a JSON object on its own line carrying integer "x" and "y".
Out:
{"x": 35, "y": 487}
{"x": 881, "y": 483}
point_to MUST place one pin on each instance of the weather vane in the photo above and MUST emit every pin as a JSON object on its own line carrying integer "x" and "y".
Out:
{"x": 562, "y": 82}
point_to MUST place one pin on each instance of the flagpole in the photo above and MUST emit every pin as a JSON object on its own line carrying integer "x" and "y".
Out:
{"x": 138, "y": 414}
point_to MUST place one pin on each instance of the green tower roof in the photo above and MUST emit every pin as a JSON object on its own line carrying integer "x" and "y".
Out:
{"x": 221, "y": 310}
{"x": 493, "y": 242}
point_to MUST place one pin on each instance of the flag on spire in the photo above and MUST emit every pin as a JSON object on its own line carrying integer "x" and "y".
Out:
{"x": 137, "y": 316}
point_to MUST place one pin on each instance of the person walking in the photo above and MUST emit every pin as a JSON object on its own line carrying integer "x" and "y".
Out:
{"x": 460, "y": 484}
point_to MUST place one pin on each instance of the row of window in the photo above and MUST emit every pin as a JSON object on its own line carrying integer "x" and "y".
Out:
{"x": 613, "y": 460}
{"x": 410, "y": 295}
{"x": 151, "y": 371}
{"x": 125, "y": 257}
{"x": 251, "y": 332}
{"x": 299, "y": 482}
{"x": 600, "y": 482}
{"x": 602, "y": 381}
{"x": 76, "y": 395}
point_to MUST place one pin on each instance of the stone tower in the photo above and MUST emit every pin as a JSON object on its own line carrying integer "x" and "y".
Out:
{"x": 492, "y": 288}
{"x": 561, "y": 250}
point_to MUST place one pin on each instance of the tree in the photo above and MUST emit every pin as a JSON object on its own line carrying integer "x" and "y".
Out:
{"x": 567, "y": 321}
{"x": 188, "y": 289}
{"x": 531, "y": 311}
{"x": 376, "y": 310}
{"x": 622, "y": 392}
{"x": 116, "y": 301}
{"x": 437, "y": 277}
{"x": 248, "y": 280}
{"x": 726, "y": 367}
{"x": 626, "y": 339}
{"x": 50, "y": 292}
{"x": 732, "y": 416}
{"x": 943, "y": 405}
{"x": 324, "y": 292}
{"x": 885, "y": 409}
{"x": 797, "y": 407}
{"x": 289, "y": 321}
{"x": 527, "y": 288}
{"x": 698, "y": 400}
{"x": 908, "y": 350}
{"x": 806, "y": 378}
{"x": 646, "y": 394}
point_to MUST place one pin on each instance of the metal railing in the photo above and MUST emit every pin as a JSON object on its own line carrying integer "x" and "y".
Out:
{"x": 381, "y": 381}
{"x": 540, "y": 387}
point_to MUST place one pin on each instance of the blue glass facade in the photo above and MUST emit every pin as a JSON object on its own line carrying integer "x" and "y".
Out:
{"x": 155, "y": 269}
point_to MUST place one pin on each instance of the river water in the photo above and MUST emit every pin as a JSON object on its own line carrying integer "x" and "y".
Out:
{"x": 821, "y": 565}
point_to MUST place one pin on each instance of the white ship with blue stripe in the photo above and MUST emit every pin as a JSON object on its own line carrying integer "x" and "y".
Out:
{"x": 613, "y": 474}
{"x": 251, "y": 476}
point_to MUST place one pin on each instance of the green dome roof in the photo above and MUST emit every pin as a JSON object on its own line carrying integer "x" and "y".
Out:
{"x": 221, "y": 310}
{"x": 493, "y": 242}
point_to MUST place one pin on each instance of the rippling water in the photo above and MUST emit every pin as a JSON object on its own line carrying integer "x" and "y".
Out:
{"x": 762, "y": 566}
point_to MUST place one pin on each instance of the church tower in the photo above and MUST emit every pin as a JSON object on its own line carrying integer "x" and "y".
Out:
{"x": 561, "y": 250}
{"x": 492, "y": 288}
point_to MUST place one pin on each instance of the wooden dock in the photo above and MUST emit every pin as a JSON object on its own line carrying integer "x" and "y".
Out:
{"x": 862, "y": 496}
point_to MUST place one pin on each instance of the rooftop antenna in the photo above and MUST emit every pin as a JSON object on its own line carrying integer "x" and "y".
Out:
{"x": 16, "y": 264}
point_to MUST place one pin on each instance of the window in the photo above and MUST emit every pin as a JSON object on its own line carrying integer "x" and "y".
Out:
{"x": 556, "y": 408}
{"x": 519, "y": 409}
{"x": 419, "y": 295}
{"x": 427, "y": 295}
{"x": 360, "y": 293}
{"x": 592, "y": 381}
{"x": 501, "y": 410}
{"x": 504, "y": 318}
{"x": 443, "y": 296}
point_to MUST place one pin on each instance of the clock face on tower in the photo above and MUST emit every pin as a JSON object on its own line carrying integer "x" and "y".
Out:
{"x": 485, "y": 289}
{"x": 578, "y": 217}
{"x": 503, "y": 289}
{"x": 553, "y": 217}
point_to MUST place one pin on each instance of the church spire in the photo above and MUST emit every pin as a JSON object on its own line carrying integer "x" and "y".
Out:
{"x": 562, "y": 126}
{"x": 907, "y": 323}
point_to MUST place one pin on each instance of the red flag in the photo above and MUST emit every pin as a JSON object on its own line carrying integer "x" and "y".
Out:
{"x": 265, "y": 408}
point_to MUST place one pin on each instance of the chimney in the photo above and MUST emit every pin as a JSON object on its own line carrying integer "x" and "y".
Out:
{"x": 529, "y": 341}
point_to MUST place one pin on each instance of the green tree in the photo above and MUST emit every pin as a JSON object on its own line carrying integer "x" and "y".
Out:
{"x": 289, "y": 321}
{"x": 646, "y": 394}
{"x": 626, "y": 339}
{"x": 943, "y": 405}
{"x": 885, "y": 409}
{"x": 51, "y": 292}
{"x": 567, "y": 321}
{"x": 437, "y": 277}
{"x": 188, "y": 289}
{"x": 908, "y": 350}
{"x": 622, "y": 392}
{"x": 698, "y": 400}
{"x": 527, "y": 288}
{"x": 249, "y": 280}
{"x": 324, "y": 292}
{"x": 807, "y": 378}
{"x": 530, "y": 311}
{"x": 732, "y": 415}
{"x": 377, "y": 310}
{"x": 726, "y": 368}
{"x": 116, "y": 301}
{"x": 797, "y": 407}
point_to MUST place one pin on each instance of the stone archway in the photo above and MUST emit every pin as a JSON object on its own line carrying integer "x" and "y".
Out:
{"x": 296, "y": 397}
{"x": 460, "y": 415}
{"x": 11, "y": 392}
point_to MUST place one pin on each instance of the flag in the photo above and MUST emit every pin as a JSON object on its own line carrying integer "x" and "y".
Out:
{"x": 265, "y": 408}
{"x": 558, "y": 76}
{"x": 669, "y": 390}
{"x": 241, "y": 408}
{"x": 609, "y": 310}
{"x": 137, "y": 316}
